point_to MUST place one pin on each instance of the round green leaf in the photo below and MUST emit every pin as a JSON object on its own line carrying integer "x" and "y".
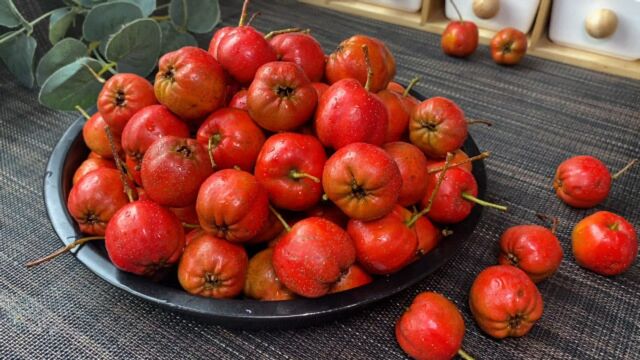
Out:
{"x": 9, "y": 15}
{"x": 59, "y": 22}
{"x": 147, "y": 6}
{"x": 174, "y": 40}
{"x": 17, "y": 55}
{"x": 198, "y": 16}
{"x": 136, "y": 47}
{"x": 105, "y": 19}
{"x": 62, "y": 53}
{"x": 71, "y": 85}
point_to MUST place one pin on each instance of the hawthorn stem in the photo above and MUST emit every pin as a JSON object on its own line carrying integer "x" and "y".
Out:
{"x": 482, "y": 155}
{"x": 255, "y": 15}
{"x": 484, "y": 122}
{"x": 107, "y": 67}
{"x": 427, "y": 208}
{"x": 284, "y": 31}
{"x": 413, "y": 82}
{"x": 121, "y": 167}
{"x": 83, "y": 112}
{"x": 624, "y": 169}
{"x": 457, "y": 10}
{"x": 95, "y": 75}
{"x": 465, "y": 355}
{"x": 553, "y": 219}
{"x": 294, "y": 174}
{"x": 63, "y": 250}
{"x": 367, "y": 85}
{"x": 280, "y": 218}
{"x": 474, "y": 199}
{"x": 243, "y": 15}
{"x": 190, "y": 226}
{"x": 209, "y": 148}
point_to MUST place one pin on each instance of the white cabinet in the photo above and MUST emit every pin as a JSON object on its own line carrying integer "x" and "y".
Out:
{"x": 568, "y": 26}
{"x": 518, "y": 14}
{"x": 404, "y": 5}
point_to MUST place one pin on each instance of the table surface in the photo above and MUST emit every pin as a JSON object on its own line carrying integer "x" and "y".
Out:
{"x": 543, "y": 112}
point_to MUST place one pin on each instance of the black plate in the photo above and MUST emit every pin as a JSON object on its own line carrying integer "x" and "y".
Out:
{"x": 237, "y": 313}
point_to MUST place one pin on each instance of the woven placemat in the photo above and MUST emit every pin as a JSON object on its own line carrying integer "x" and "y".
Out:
{"x": 543, "y": 112}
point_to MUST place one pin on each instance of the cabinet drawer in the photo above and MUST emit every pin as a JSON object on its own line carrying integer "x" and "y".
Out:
{"x": 404, "y": 5}
{"x": 568, "y": 26}
{"x": 512, "y": 13}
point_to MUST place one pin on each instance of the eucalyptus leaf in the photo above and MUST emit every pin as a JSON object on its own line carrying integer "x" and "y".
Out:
{"x": 147, "y": 6}
{"x": 10, "y": 16}
{"x": 105, "y": 19}
{"x": 91, "y": 3}
{"x": 59, "y": 22}
{"x": 136, "y": 47}
{"x": 62, "y": 53}
{"x": 174, "y": 40}
{"x": 198, "y": 16}
{"x": 71, "y": 85}
{"x": 17, "y": 55}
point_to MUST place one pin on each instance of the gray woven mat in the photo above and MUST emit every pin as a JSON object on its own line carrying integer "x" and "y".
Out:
{"x": 543, "y": 113}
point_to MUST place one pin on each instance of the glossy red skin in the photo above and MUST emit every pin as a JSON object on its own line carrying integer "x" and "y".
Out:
{"x": 354, "y": 277}
{"x": 394, "y": 86}
{"x": 428, "y": 235}
{"x": 437, "y": 126}
{"x": 582, "y": 181}
{"x": 385, "y": 245}
{"x": 89, "y": 165}
{"x": 262, "y": 282}
{"x": 239, "y": 100}
{"x": 505, "y": 302}
{"x": 240, "y": 139}
{"x": 146, "y": 126}
{"x": 397, "y": 115}
{"x": 311, "y": 258}
{"x": 532, "y": 248}
{"x": 412, "y": 165}
{"x": 327, "y": 210}
{"x": 95, "y": 198}
{"x": 186, "y": 215}
{"x": 233, "y": 87}
{"x": 192, "y": 235}
{"x": 190, "y": 83}
{"x": 508, "y": 46}
{"x": 347, "y": 113}
{"x": 143, "y": 237}
{"x": 134, "y": 167}
{"x": 215, "y": 40}
{"x": 449, "y": 207}
{"x": 212, "y": 267}
{"x": 93, "y": 155}
{"x": 320, "y": 87}
{"x": 232, "y": 205}
{"x": 278, "y": 112}
{"x": 605, "y": 243}
{"x": 242, "y": 51}
{"x": 458, "y": 156}
{"x": 122, "y": 96}
{"x": 95, "y": 137}
{"x": 372, "y": 171}
{"x": 348, "y": 62}
{"x": 283, "y": 154}
{"x": 271, "y": 229}
{"x": 431, "y": 329}
{"x": 460, "y": 38}
{"x": 173, "y": 169}
{"x": 303, "y": 50}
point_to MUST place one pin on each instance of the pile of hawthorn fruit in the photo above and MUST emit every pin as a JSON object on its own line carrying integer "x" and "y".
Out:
{"x": 264, "y": 142}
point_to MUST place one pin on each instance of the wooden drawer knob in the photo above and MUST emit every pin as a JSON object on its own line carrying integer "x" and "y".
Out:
{"x": 486, "y": 9}
{"x": 601, "y": 23}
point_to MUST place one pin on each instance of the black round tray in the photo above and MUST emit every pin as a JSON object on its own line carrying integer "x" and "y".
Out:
{"x": 236, "y": 313}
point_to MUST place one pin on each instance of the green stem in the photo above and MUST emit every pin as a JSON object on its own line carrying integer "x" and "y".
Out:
{"x": 284, "y": 31}
{"x": 427, "y": 208}
{"x": 413, "y": 82}
{"x": 482, "y": 155}
{"x": 63, "y": 250}
{"x": 83, "y": 112}
{"x": 484, "y": 122}
{"x": 190, "y": 226}
{"x": 474, "y": 199}
{"x": 243, "y": 15}
{"x": 465, "y": 355}
{"x": 165, "y": 6}
{"x": 457, "y": 11}
{"x": 624, "y": 169}
{"x": 280, "y": 218}
{"x": 29, "y": 30}
{"x": 295, "y": 174}
{"x": 367, "y": 85}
